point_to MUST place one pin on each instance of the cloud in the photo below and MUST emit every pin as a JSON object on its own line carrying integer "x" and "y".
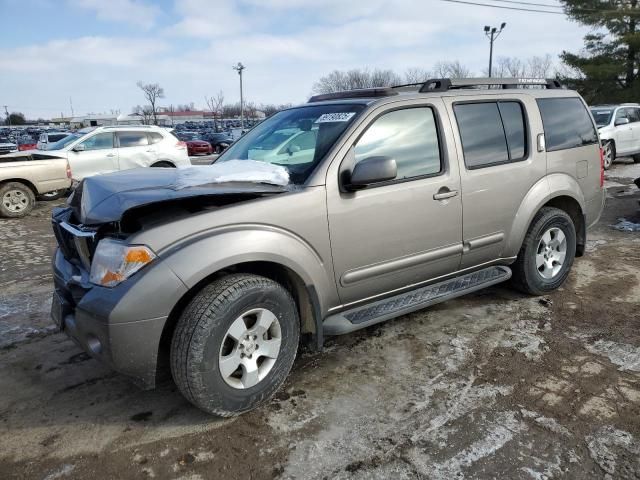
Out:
{"x": 134, "y": 12}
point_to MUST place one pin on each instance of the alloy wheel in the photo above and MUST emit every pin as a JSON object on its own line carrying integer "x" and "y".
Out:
{"x": 551, "y": 253}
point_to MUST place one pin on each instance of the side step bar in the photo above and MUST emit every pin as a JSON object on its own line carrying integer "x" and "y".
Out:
{"x": 376, "y": 312}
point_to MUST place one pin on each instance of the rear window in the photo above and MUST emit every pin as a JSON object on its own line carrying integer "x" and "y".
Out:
{"x": 567, "y": 123}
{"x": 132, "y": 139}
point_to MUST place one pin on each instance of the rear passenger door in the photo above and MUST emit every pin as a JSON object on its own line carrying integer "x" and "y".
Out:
{"x": 498, "y": 167}
{"x": 633, "y": 114}
{"x": 623, "y": 132}
{"x": 134, "y": 150}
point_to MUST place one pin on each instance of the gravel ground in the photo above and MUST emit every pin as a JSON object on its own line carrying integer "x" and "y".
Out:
{"x": 492, "y": 385}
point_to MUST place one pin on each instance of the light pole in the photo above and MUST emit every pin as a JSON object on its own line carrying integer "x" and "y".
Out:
{"x": 492, "y": 33}
{"x": 239, "y": 68}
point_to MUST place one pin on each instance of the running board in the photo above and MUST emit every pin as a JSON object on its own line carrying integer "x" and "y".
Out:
{"x": 407, "y": 302}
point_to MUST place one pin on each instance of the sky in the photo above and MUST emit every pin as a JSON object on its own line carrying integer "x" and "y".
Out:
{"x": 94, "y": 51}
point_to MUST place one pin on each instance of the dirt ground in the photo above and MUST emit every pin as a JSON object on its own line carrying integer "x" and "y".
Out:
{"x": 493, "y": 385}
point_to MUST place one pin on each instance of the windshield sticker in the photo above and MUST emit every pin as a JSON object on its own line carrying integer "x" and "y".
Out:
{"x": 335, "y": 117}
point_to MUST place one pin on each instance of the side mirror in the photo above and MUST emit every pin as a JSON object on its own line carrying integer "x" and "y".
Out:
{"x": 622, "y": 121}
{"x": 79, "y": 148}
{"x": 372, "y": 170}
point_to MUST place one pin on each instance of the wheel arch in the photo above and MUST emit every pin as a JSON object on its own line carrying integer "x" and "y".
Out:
{"x": 305, "y": 296}
{"x": 557, "y": 190}
{"x": 24, "y": 181}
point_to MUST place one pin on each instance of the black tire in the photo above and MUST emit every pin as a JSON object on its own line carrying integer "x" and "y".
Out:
{"x": 526, "y": 276}
{"x": 636, "y": 158}
{"x": 55, "y": 195}
{"x": 163, "y": 165}
{"x": 201, "y": 329}
{"x": 26, "y": 197}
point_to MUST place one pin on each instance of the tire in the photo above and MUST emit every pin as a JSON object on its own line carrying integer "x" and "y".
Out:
{"x": 527, "y": 276}
{"x": 163, "y": 165}
{"x": 636, "y": 158}
{"x": 55, "y": 195}
{"x": 203, "y": 334}
{"x": 16, "y": 200}
{"x": 609, "y": 153}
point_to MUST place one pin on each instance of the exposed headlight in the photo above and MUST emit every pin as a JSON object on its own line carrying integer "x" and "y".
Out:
{"x": 114, "y": 261}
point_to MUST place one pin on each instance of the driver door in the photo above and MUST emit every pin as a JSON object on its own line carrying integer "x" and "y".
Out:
{"x": 399, "y": 233}
{"x": 94, "y": 156}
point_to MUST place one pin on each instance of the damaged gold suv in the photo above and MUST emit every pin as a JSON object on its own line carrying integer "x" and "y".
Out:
{"x": 332, "y": 216}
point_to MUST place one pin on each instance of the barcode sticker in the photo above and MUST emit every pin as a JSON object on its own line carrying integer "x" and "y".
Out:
{"x": 335, "y": 117}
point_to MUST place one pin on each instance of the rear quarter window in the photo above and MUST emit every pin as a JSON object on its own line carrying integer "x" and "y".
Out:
{"x": 567, "y": 123}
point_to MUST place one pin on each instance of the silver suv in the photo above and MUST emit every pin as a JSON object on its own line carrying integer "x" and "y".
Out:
{"x": 100, "y": 150}
{"x": 385, "y": 201}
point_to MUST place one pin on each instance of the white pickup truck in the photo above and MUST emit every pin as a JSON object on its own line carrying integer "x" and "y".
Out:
{"x": 23, "y": 177}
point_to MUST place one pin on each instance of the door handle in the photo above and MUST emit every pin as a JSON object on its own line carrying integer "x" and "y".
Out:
{"x": 444, "y": 193}
{"x": 111, "y": 155}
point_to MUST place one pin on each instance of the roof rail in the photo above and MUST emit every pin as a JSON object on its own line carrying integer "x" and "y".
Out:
{"x": 137, "y": 125}
{"x": 358, "y": 93}
{"x": 444, "y": 84}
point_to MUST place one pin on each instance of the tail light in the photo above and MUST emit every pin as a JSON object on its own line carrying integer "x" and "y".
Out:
{"x": 68, "y": 170}
{"x": 181, "y": 144}
{"x": 601, "y": 167}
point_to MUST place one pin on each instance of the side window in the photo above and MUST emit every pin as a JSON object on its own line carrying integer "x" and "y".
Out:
{"x": 621, "y": 113}
{"x": 632, "y": 114}
{"x": 483, "y": 137}
{"x": 409, "y": 136}
{"x": 514, "y": 128}
{"x": 566, "y": 123}
{"x": 99, "y": 142}
{"x": 132, "y": 139}
{"x": 155, "y": 137}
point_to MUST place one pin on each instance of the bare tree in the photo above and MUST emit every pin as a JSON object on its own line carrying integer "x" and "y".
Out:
{"x": 269, "y": 109}
{"x": 215, "y": 105}
{"x": 152, "y": 92}
{"x": 452, "y": 69}
{"x": 145, "y": 112}
{"x": 337, "y": 80}
{"x": 416, "y": 75}
{"x": 540, "y": 67}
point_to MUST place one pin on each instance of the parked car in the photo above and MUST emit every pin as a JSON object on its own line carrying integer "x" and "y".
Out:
{"x": 24, "y": 178}
{"x": 195, "y": 144}
{"x": 412, "y": 196}
{"x": 619, "y": 129}
{"x": 219, "y": 141}
{"x": 7, "y": 146}
{"x": 48, "y": 138}
{"x": 108, "y": 149}
{"x": 26, "y": 143}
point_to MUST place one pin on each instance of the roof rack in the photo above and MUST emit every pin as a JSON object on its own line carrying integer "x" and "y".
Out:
{"x": 444, "y": 84}
{"x": 358, "y": 93}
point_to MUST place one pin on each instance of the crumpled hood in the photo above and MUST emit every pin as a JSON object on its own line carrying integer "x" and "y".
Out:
{"x": 105, "y": 198}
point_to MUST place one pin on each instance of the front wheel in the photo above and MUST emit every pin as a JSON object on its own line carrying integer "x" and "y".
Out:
{"x": 608, "y": 154}
{"x": 235, "y": 344}
{"x": 547, "y": 253}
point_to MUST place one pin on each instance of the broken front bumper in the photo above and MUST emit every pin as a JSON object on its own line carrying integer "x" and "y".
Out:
{"x": 120, "y": 326}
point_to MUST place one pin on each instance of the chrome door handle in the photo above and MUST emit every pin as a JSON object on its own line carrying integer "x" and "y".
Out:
{"x": 444, "y": 194}
{"x": 111, "y": 155}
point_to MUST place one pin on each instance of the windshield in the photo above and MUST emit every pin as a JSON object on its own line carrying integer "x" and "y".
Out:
{"x": 63, "y": 142}
{"x": 602, "y": 117}
{"x": 296, "y": 139}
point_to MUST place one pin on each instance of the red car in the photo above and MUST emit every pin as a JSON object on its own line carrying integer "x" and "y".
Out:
{"x": 198, "y": 147}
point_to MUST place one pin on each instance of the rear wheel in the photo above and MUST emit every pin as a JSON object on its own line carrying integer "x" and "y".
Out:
{"x": 163, "y": 165}
{"x": 547, "y": 253}
{"x": 608, "y": 153}
{"x": 16, "y": 200}
{"x": 235, "y": 343}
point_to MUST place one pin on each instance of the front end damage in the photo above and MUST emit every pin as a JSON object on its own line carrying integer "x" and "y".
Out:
{"x": 117, "y": 322}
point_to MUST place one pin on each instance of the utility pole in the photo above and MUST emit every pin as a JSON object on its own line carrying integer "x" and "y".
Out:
{"x": 8, "y": 116}
{"x": 239, "y": 68}
{"x": 71, "y": 105}
{"x": 492, "y": 33}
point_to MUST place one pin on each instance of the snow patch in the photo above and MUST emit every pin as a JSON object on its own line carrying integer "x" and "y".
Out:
{"x": 625, "y": 356}
{"x": 232, "y": 171}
